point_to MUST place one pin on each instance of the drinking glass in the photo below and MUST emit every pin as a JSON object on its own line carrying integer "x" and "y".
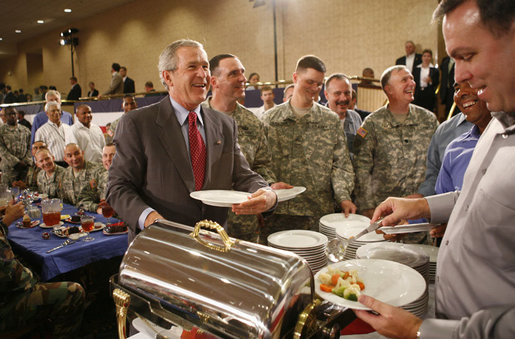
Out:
{"x": 87, "y": 223}
{"x": 107, "y": 212}
{"x": 5, "y": 197}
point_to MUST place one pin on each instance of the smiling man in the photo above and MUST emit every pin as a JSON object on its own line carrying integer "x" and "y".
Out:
{"x": 338, "y": 91}
{"x": 458, "y": 153}
{"x": 308, "y": 149}
{"x": 88, "y": 135}
{"x": 51, "y": 175}
{"x": 391, "y": 146}
{"x": 169, "y": 149}
{"x": 475, "y": 276}
{"x": 228, "y": 86}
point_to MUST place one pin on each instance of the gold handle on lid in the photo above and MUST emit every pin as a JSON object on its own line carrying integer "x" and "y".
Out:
{"x": 122, "y": 301}
{"x": 211, "y": 225}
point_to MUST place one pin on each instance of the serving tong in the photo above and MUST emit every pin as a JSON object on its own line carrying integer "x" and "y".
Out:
{"x": 65, "y": 243}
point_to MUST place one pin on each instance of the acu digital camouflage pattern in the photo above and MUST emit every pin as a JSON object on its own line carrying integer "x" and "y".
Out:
{"x": 14, "y": 147}
{"x": 51, "y": 186}
{"x": 25, "y": 302}
{"x": 310, "y": 151}
{"x": 72, "y": 185}
{"x": 390, "y": 156}
{"x": 95, "y": 191}
{"x": 31, "y": 179}
{"x": 254, "y": 146}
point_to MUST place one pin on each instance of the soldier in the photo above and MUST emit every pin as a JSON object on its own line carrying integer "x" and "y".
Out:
{"x": 14, "y": 148}
{"x": 31, "y": 179}
{"x": 77, "y": 175}
{"x": 228, "y": 86}
{"x": 391, "y": 146}
{"x": 95, "y": 193}
{"x": 51, "y": 175}
{"x": 58, "y": 305}
{"x": 308, "y": 149}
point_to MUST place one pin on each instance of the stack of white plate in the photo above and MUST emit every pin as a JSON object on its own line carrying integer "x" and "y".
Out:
{"x": 329, "y": 222}
{"x": 344, "y": 232}
{"x": 432, "y": 252}
{"x": 309, "y": 245}
{"x": 404, "y": 254}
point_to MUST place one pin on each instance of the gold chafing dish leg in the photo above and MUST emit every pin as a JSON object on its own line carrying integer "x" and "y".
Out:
{"x": 122, "y": 301}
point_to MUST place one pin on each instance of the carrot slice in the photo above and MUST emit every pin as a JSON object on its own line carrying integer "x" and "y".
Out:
{"x": 326, "y": 288}
{"x": 334, "y": 279}
{"x": 361, "y": 285}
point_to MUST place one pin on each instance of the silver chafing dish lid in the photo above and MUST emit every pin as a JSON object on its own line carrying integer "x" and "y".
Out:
{"x": 227, "y": 287}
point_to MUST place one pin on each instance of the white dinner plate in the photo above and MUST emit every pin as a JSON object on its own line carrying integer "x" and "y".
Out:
{"x": 284, "y": 194}
{"x": 43, "y": 225}
{"x": 395, "y": 252}
{"x": 297, "y": 239}
{"x": 337, "y": 219}
{"x": 410, "y": 228}
{"x": 220, "y": 198}
{"x": 390, "y": 282}
{"x": 352, "y": 229}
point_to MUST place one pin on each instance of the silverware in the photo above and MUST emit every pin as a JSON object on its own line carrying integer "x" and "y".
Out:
{"x": 374, "y": 226}
{"x": 65, "y": 243}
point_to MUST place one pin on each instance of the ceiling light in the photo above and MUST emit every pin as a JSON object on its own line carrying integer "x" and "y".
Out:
{"x": 1, "y": 39}
{"x": 41, "y": 21}
{"x": 17, "y": 31}
{"x": 67, "y": 10}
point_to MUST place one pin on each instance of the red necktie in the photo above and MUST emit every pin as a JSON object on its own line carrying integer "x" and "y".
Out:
{"x": 197, "y": 151}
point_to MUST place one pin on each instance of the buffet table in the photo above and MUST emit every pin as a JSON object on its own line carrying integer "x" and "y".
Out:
{"x": 30, "y": 245}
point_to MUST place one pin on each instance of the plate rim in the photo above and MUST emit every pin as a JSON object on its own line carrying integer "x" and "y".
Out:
{"x": 211, "y": 202}
{"x": 322, "y": 236}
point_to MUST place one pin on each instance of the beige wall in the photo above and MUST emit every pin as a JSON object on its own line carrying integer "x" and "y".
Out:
{"x": 347, "y": 34}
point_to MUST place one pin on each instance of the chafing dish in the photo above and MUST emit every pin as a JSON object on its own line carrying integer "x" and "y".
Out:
{"x": 200, "y": 278}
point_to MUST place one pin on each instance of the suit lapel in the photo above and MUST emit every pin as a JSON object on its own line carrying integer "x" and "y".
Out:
{"x": 214, "y": 140}
{"x": 170, "y": 134}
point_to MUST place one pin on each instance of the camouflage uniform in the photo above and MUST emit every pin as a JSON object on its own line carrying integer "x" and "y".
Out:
{"x": 390, "y": 156}
{"x": 51, "y": 186}
{"x": 14, "y": 147}
{"x": 24, "y": 302}
{"x": 254, "y": 146}
{"x": 72, "y": 185}
{"x": 95, "y": 191}
{"x": 31, "y": 179}
{"x": 310, "y": 151}
{"x": 114, "y": 124}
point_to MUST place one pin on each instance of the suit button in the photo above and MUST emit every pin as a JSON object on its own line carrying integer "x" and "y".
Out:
{"x": 447, "y": 243}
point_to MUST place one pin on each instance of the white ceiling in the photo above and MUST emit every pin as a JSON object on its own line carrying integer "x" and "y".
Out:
{"x": 24, "y": 14}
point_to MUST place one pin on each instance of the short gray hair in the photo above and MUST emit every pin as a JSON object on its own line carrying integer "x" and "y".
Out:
{"x": 168, "y": 58}
{"x": 52, "y": 92}
{"x": 385, "y": 77}
{"x": 52, "y": 104}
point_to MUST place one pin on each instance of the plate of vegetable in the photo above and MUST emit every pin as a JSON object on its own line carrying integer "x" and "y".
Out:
{"x": 342, "y": 283}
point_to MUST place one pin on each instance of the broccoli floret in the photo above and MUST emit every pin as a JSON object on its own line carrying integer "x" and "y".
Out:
{"x": 339, "y": 291}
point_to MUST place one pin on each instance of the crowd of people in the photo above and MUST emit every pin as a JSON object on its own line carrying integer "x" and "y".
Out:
{"x": 155, "y": 156}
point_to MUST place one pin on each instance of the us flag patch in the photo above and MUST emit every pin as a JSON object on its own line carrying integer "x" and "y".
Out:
{"x": 362, "y": 132}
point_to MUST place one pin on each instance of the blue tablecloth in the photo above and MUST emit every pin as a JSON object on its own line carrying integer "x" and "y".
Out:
{"x": 29, "y": 244}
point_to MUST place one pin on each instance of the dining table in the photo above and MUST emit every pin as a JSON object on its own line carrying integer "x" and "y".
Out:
{"x": 29, "y": 244}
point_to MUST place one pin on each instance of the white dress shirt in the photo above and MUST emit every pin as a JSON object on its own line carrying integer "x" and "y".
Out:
{"x": 91, "y": 140}
{"x": 56, "y": 137}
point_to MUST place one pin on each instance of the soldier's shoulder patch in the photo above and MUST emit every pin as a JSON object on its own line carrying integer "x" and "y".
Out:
{"x": 93, "y": 183}
{"x": 362, "y": 132}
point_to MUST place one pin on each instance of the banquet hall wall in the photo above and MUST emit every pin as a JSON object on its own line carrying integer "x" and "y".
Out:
{"x": 347, "y": 34}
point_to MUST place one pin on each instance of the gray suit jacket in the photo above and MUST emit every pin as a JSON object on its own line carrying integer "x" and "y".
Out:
{"x": 151, "y": 167}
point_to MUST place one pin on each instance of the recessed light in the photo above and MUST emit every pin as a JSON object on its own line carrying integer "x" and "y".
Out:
{"x": 1, "y": 39}
{"x": 17, "y": 31}
{"x": 41, "y": 21}
{"x": 67, "y": 10}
